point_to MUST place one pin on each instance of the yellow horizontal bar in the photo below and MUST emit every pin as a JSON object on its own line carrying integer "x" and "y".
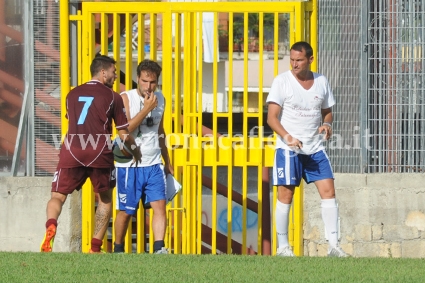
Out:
{"x": 309, "y": 7}
{"x": 75, "y": 17}
{"x": 178, "y": 7}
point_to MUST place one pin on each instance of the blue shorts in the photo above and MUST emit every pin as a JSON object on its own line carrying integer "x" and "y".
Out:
{"x": 139, "y": 183}
{"x": 289, "y": 167}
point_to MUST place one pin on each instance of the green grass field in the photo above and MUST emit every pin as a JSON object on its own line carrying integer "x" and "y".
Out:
{"x": 77, "y": 267}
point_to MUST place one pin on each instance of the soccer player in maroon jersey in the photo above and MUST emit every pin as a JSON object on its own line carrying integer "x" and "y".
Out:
{"x": 87, "y": 148}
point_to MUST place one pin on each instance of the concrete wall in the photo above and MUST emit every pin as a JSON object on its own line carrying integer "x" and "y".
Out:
{"x": 381, "y": 215}
{"x": 23, "y": 216}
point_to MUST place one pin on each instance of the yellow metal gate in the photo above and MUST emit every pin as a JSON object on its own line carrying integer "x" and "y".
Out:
{"x": 224, "y": 206}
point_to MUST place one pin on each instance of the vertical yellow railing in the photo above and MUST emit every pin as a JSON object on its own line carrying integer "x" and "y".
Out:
{"x": 195, "y": 168}
{"x": 199, "y": 140}
{"x": 87, "y": 194}
{"x": 141, "y": 213}
{"x": 230, "y": 130}
{"x": 313, "y": 32}
{"x": 167, "y": 82}
{"x": 260, "y": 132}
{"x": 178, "y": 214}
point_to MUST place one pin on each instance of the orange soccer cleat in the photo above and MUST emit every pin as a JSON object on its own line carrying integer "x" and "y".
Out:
{"x": 49, "y": 238}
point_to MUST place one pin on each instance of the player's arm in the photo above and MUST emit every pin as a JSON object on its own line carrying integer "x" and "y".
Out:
{"x": 134, "y": 122}
{"x": 326, "y": 126}
{"x": 274, "y": 122}
{"x": 130, "y": 143}
{"x": 122, "y": 128}
{"x": 163, "y": 146}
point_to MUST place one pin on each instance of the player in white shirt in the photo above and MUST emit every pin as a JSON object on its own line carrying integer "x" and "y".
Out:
{"x": 146, "y": 181}
{"x": 299, "y": 111}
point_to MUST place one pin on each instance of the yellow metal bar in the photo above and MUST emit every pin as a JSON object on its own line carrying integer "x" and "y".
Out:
{"x": 104, "y": 34}
{"x": 192, "y": 7}
{"x": 214, "y": 211}
{"x": 91, "y": 43}
{"x": 214, "y": 215}
{"x": 260, "y": 134}
{"x": 186, "y": 129}
{"x": 313, "y": 34}
{"x": 151, "y": 238}
{"x": 79, "y": 51}
{"x": 140, "y": 37}
{"x": 64, "y": 56}
{"x": 299, "y": 22}
{"x": 297, "y": 204}
{"x": 293, "y": 29}
{"x": 170, "y": 224}
{"x": 199, "y": 131}
{"x": 87, "y": 194}
{"x": 141, "y": 239}
{"x": 114, "y": 216}
{"x": 128, "y": 51}
{"x": 245, "y": 137}
{"x": 193, "y": 124}
{"x": 276, "y": 38}
{"x": 116, "y": 48}
{"x": 230, "y": 127}
{"x": 177, "y": 72}
{"x": 260, "y": 209}
{"x": 167, "y": 79}
{"x": 177, "y": 220}
{"x": 103, "y": 50}
{"x": 214, "y": 146}
{"x": 153, "y": 39}
{"x": 291, "y": 222}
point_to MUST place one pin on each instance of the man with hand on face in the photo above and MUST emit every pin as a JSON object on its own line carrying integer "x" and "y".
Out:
{"x": 145, "y": 108}
{"x": 299, "y": 111}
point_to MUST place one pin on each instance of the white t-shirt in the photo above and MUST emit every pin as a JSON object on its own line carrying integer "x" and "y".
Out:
{"x": 301, "y": 109}
{"x": 148, "y": 137}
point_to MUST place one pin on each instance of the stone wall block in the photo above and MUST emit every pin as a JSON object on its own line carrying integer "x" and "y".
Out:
{"x": 416, "y": 219}
{"x": 377, "y": 232}
{"x": 399, "y": 232}
{"x": 413, "y": 249}
{"x": 363, "y": 233}
{"x": 311, "y": 249}
{"x": 372, "y": 249}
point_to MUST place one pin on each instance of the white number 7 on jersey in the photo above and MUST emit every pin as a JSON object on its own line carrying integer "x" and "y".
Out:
{"x": 87, "y": 102}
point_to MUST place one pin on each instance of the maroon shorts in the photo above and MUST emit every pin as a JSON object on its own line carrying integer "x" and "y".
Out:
{"x": 67, "y": 180}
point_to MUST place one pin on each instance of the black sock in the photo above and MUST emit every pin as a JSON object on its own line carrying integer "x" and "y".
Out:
{"x": 118, "y": 248}
{"x": 157, "y": 245}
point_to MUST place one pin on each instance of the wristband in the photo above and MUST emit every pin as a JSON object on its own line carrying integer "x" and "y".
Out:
{"x": 329, "y": 124}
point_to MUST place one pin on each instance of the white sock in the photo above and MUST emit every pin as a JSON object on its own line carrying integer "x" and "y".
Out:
{"x": 330, "y": 218}
{"x": 282, "y": 222}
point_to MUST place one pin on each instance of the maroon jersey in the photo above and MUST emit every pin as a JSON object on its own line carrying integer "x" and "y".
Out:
{"x": 91, "y": 107}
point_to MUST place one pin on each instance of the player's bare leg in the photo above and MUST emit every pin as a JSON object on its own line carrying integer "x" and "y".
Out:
{"x": 53, "y": 210}
{"x": 55, "y": 204}
{"x": 159, "y": 224}
{"x": 102, "y": 217}
{"x": 120, "y": 228}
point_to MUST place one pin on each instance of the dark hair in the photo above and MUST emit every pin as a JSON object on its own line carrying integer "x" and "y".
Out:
{"x": 149, "y": 66}
{"x": 302, "y": 45}
{"x": 101, "y": 62}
